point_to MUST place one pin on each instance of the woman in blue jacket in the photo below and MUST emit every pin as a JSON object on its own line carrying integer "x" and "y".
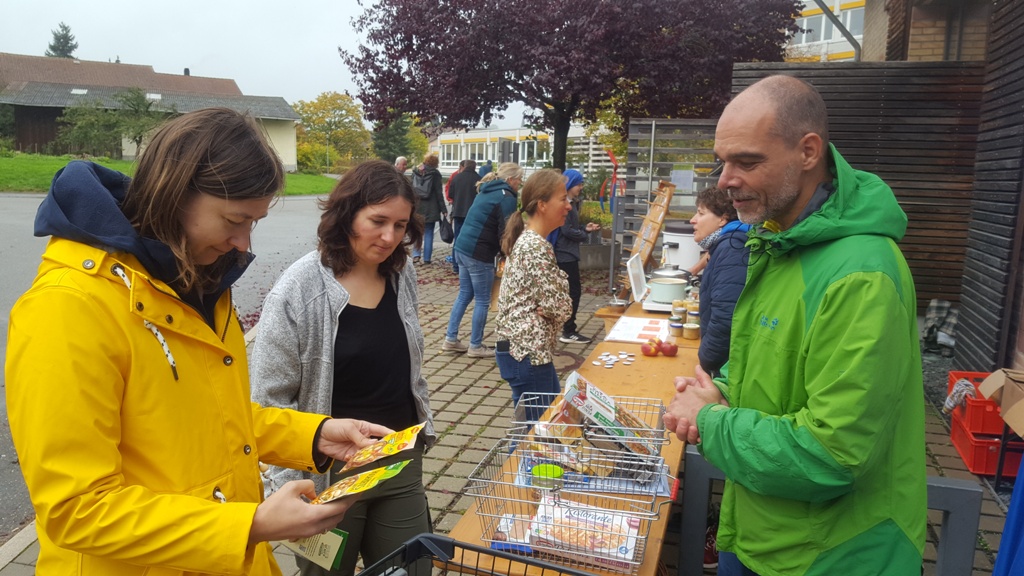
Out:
{"x": 479, "y": 242}
{"x": 718, "y": 230}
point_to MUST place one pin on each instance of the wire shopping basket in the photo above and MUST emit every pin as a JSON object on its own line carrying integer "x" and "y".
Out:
{"x": 430, "y": 554}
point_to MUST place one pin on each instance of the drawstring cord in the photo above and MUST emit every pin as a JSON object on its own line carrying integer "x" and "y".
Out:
{"x": 118, "y": 271}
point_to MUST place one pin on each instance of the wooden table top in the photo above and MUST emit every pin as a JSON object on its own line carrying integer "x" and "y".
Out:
{"x": 647, "y": 377}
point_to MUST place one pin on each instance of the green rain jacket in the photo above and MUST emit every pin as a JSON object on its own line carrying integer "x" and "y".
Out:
{"x": 823, "y": 442}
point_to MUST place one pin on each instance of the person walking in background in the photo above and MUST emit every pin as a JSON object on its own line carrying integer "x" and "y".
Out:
{"x": 818, "y": 422}
{"x": 401, "y": 164}
{"x": 566, "y": 240}
{"x": 448, "y": 184}
{"x": 426, "y": 182}
{"x": 486, "y": 168}
{"x": 463, "y": 191}
{"x": 340, "y": 335}
{"x": 126, "y": 377}
{"x": 717, "y": 229}
{"x": 479, "y": 243}
{"x": 533, "y": 301}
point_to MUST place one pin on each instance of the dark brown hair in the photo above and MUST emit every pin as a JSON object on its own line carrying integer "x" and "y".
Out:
{"x": 541, "y": 185}
{"x": 370, "y": 183}
{"x": 717, "y": 201}
{"x": 214, "y": 151}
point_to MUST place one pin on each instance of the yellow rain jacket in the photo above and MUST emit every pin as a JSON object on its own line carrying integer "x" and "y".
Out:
{"x": 132, "y": 420}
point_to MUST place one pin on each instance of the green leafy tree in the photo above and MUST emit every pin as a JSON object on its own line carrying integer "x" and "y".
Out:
{"x": 90, "y": 129}
{"x": 63, "y": 44}
{"x": 418, "y": 142}
{"x": 336, "y": 121}
{"x": 138, "y": 115}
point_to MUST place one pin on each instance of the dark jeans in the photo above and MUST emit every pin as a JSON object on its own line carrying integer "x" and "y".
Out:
{"x": 572, "y": 270}
{"x": 730, "y": 565}
{"x": 525, "y": 378}
{"x": 383, "y": 519}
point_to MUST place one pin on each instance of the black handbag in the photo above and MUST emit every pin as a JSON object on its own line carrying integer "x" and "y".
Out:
{"x": 447, "y": 232}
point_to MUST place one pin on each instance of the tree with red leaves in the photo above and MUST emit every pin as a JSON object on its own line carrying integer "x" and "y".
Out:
{"x": 454, "y": 62}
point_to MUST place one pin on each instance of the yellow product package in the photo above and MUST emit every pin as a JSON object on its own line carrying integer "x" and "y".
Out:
{"x": 359, "y": 483}
{"x": 391, "y": 444}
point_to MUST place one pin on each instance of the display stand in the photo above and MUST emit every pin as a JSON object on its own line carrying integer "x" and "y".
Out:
{"x": 650, "y": 230}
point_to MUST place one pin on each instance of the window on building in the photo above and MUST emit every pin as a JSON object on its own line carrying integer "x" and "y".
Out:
{"x": 449, "y": 155}
{"x": 853, "y": 20}
{"x": 812, "y": 26}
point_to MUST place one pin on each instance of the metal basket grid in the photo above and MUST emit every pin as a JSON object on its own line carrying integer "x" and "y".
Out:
{"x": 599, "y": 514}
{"x": 645, "y": 439}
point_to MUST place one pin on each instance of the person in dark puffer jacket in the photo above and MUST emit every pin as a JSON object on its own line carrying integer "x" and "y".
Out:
{"x": 717, "y": 229}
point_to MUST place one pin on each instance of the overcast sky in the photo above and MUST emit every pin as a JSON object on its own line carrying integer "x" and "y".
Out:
{"x": 270, "y": 48}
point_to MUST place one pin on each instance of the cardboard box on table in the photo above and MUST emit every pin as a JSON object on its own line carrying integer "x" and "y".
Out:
{"x": 1006, "y": 388}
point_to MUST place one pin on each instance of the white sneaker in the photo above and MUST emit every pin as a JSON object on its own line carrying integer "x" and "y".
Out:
{"x": 480, "y": 352}
{"x": 453, "y": 346}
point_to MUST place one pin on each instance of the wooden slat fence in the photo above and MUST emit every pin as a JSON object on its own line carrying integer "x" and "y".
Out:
{"x": 914, "y": 124}
{"x": 990, "y": 312}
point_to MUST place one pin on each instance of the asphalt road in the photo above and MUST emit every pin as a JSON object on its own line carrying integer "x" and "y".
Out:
{"x": 280, "y": 239}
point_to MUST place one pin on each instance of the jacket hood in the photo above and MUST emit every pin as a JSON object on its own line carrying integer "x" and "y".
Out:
{"x": 861, "y": 204}
{"x": 496, "y": 185}
{"x": 84, "y": 205}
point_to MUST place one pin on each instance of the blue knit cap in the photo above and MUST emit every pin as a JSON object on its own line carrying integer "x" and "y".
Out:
{"x": 572, "y": 178}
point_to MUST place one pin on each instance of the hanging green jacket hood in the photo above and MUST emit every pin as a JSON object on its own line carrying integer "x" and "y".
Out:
{"x": 823, "y": 439}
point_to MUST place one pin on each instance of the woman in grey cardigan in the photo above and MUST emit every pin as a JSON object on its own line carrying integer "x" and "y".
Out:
{"x": 339, "y": 334}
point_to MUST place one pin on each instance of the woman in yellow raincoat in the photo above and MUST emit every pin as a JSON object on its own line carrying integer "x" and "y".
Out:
{"x": 126, "y": 376}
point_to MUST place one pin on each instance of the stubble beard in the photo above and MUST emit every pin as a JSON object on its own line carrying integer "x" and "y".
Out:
{"x": 777, "y": 203}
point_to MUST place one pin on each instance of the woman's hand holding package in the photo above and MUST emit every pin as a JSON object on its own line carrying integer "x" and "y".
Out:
{"x": 284, "y": 515}
{"x": 340, "y": 438}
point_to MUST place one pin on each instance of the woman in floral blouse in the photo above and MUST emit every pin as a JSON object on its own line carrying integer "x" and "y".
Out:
{"x": 533, "y": 301}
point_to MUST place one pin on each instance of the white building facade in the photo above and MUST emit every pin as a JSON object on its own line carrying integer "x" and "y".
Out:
{"x": 527, "y": 147}
{"x": 822, "y": 41}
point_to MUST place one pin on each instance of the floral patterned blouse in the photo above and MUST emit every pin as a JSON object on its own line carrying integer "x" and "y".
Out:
{"x": 533, "y": 302}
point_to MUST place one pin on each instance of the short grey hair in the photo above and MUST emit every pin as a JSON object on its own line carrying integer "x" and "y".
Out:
{"x": 799, "y": 108}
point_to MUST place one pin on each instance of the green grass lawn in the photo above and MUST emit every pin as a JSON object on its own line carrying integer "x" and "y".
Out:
{"x": 34, "y": 172}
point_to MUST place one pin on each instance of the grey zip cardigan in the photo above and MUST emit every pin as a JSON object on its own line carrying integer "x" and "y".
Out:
{"x": 292, "y": 359}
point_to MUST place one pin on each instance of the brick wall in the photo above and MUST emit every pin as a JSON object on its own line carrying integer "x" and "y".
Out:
{"x": 927, "y": 35}
{"x": 949, "y": 32}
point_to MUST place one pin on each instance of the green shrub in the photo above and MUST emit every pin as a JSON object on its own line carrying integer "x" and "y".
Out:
{"x": 590, "y": 211}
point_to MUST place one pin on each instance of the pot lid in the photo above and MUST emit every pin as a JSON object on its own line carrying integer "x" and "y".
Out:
{"x": 671, "y": 271}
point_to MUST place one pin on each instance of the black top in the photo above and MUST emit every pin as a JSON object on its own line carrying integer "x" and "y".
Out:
{"x": 463, "y": 191}
{"x": 371, "y": 365}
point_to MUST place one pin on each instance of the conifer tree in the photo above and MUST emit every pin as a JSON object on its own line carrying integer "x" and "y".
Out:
{"x": 63, "y": 44}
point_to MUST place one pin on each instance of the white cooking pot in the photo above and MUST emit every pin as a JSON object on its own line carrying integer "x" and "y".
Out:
{"x": 665, "y": 290}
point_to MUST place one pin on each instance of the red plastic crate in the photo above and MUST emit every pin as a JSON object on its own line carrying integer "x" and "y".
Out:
{"x": 981, "y": 453}
{"x": 981, "y": 415}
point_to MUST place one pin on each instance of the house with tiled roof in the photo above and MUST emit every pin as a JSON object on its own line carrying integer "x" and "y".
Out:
{"x": 39, "y": 88}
